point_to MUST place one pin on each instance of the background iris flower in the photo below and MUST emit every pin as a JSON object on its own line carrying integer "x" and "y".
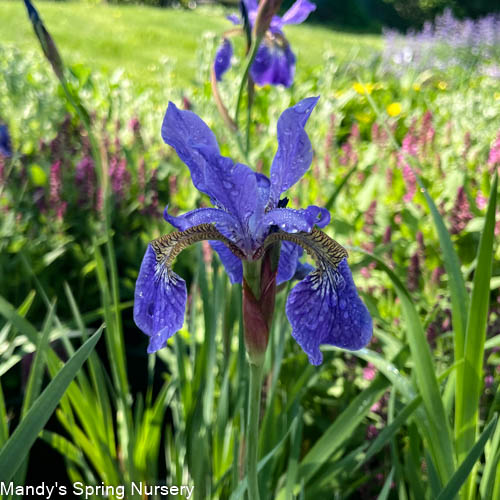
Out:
{"x": 5, "y": 144}
{"x": 274, "y": 63}
{"x": 246, "y": 219}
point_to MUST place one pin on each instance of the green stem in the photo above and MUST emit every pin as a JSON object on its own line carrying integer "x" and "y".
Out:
{"x": 256, "y": 374}
{"x": 251, "y": 57}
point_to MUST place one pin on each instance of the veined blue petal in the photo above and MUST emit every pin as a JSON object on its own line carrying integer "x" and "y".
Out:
{"x": 325, "y": 308}
{"x": 273, "y": 65}
{"x": 183, "y": 130}
{"x": 232, "y": 187}
{"x": 298, "y": 12}
{"x": 223, "y": 58}
{"x": 294, "y": 153}
{"x": 159, "y": 302}
{"x": 293, "y": 221}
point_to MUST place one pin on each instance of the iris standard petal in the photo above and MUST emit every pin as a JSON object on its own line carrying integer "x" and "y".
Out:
{"x": 183, "y": 130}
{"x": 232, "y": 186}
{"x": 298, "y": 12}
{"x": 293, "y": 221}
{"x": 294, "y": 153}
{"x": 325, "y": 308}
{"x": 223, "y": 58}
{"x": 273, "y": 65}
{"x": 159, "y": 302}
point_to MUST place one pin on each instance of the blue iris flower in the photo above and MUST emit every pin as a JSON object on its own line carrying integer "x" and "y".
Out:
{"x": 274, "y": 63}
{"x": 5, "y": 144}
{"x": 246, "y": 218}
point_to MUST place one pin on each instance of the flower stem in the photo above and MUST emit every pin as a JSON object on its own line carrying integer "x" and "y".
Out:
{"x": 250, "y": 59}
{"x": 256, "y": 374}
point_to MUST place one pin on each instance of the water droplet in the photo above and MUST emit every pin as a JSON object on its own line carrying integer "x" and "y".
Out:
{"x": 342, "y": 304}
{"x": 345, "y": 315}
{"x": 227, "y": 184}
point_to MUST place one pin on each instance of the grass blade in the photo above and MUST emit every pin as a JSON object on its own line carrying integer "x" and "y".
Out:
{"x": 440, "y": 435}
{"x": 475, "y": 336}
{"x": 22, "y": 439}
{"x": 463, "y": 471}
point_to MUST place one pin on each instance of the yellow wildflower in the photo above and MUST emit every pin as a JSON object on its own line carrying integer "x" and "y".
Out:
{"x": 394, "y": 109}
{"x": 442, "y": 85}
{"x": 362, "y": 88}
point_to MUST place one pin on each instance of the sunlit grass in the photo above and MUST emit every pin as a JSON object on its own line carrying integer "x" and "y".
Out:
{"x": 138, "y": 38}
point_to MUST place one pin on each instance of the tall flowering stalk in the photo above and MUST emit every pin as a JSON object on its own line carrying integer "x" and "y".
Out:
{"x": 259, "y": 241}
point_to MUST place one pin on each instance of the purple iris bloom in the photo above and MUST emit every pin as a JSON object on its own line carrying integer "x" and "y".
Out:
{"x": 223, "y": 58}
{"x": 274, "y": 63}
{"x": 5, "y": 144}
{"x": 248, "y": 217}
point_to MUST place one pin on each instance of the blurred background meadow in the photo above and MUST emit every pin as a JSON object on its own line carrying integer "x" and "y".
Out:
{"x": 406, "y": 138}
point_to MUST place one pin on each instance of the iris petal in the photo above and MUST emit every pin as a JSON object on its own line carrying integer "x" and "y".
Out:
{"x": 5, "y": 144}
{"x": 294, "y": 153}
{"x": 231, "y": 263}
{"x": 160, "y": 295}
{"x": 325, "y": 308}
{"x": 232, "y": 186}
{"x": 298, "y": 12}
{"x": 289, "y": 259}
{"x": 183, "y": 130}
{"x": 273, "y": 65}
{"x": 225, "y": 223}
{"x": 293, "y": 221}
{"x": 223, "y": 58}
{"x": 159, "y": 302}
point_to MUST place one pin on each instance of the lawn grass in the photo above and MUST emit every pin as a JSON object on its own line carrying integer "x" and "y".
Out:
{"x": 138, "y": 38}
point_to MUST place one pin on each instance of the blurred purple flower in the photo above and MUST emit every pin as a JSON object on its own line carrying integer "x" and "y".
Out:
{"x": 369, "y": 372}
{"x": 5, "y": 143}
{"x": 413, "y": 273}
{"x": 135, "y": 125}
{"x": 274, "y": 63}
{"x": 223, "y": 58}
{"x": 248, "y": 216}
{"x": 55, "y": 201}
{"x": 371, "y": 432}
{"x": 370, "y": 217}
{"x": 471, "y": 44}
{"x": 494, "y": 156}
{"x": 481, "y": 201}
{"x": 85, "y": 180}
{"x": 460, "y": 213}
{"x": 120, "y": 177}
